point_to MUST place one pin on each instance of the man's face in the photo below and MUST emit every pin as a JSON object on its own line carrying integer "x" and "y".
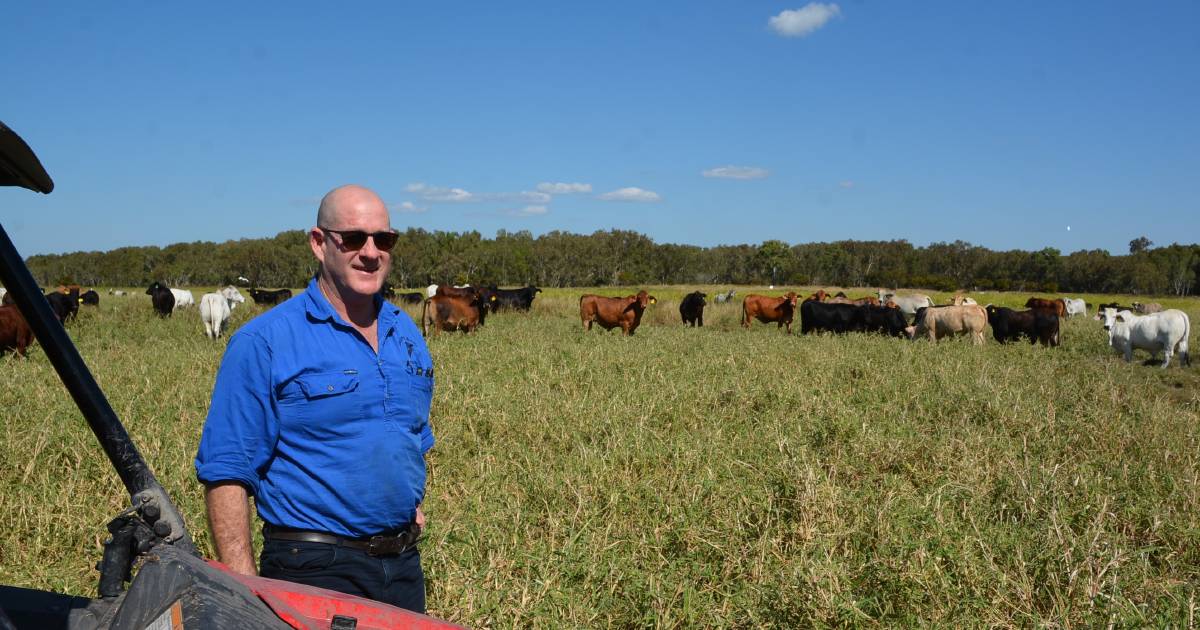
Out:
{"x": 355, "y": 274}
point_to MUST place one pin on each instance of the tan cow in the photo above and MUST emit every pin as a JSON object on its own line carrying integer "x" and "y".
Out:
{"x": 947, "y": 321}
{"x": 451, "y": 313}
{"x": 771, "y": 309}
{"x": 612, "y": 312}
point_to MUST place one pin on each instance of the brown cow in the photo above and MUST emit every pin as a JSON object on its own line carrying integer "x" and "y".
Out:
{"x": 819, "y": 296}
{"x": 1058, "y": 307}
{"x": 611, "y": 312}
{"x": 772, "y": 309}
{"x": 15, "y": 333}
{"x": 451, "y": 313}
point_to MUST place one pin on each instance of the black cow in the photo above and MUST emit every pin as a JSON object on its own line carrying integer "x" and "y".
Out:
{"x": 163, "y": 299}
{"x": 270, "y": 297}
{"x": 691, "y": 309}
{"x": 515, "y": 299}
{"x": 414, "y": 297}
{"x": 90, "y": 298}
{"x": 387, "y": 291}
{"x": 884, "y": 320}
{"x": 64, "y": 305}
{"x": 816, "y": 316}
{"x": 1035, "y": 324}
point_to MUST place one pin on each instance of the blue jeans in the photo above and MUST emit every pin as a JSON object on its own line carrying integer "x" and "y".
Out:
{"x": 396, "y": 580}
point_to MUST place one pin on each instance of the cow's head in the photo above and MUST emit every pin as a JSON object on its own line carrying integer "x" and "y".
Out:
{"x": 791, "y": 298}
{"x": 819, "y": 296}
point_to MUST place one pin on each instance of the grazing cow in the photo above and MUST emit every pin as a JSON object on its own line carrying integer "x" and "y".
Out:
{"x": 515, "y": 299}
{"x": 183, "y": 298}
{"x": 270, "y": 297}
{"x": 90, "y": 298}
{"x": 946, "y": 321}
{"x": 162, "y": 298}
{"x": 612, "y": 312}
{"x": 1057, "y": 306}
{"x": 691, "y": 309}
{"x": 1167, "y": 331}
{"x": 451, "y": 313}
{"x": 722, "y": 298}
{"x": 116, "y": 292}
{"x": 1036, "y": 325}
{"x": 65, "y": 306}
{"x": 883, "y": 320}
{"x": 232, "y": 296}
{"x": 1075, "y": 306}
{"x": 15, "y": 333}
{"x": 1147, "y": 309}
{"x": 214, "y": 312}
{"x": 766, "y": 309}
{"x": 817, "y": 316}
{"x": 908, "y": 304}
{"x": 413, "y": 297}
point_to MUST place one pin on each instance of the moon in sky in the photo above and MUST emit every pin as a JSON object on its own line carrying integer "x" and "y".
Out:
{"x": 1068, "y": 228}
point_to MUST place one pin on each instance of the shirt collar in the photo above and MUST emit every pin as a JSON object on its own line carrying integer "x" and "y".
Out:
{"x": 319, "y": 308}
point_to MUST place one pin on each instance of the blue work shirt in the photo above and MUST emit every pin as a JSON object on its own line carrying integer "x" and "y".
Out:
{"x": 325, "y": 433}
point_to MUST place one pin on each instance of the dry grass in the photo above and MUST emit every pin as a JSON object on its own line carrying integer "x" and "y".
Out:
{"x": 701, "y": 477}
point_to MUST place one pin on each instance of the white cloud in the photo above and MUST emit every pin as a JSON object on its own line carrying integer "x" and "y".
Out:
{"x": 556, "y": 188}
{"x": 737, "y": 172}
{"x": 631, "y": 194}
{"x": 408, "y": 207}
{"x": 846, "y": 184}
{"x": 525, "y": 196}
{"x": 529, "y": 211}
{"x": 805, "y": 20}
{"x": 438, "y": 194}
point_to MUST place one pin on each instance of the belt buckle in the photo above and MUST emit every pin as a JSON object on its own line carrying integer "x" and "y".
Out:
{"x": 388, "y": 545}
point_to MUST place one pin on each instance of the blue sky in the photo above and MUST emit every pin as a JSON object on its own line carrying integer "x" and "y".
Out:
{"x": 997, "y": 123}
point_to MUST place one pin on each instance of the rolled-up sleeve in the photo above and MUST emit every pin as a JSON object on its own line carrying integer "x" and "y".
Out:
{"x": 242, "y": 424}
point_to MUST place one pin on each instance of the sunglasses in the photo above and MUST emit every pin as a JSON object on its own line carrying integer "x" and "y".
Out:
{"x": 354, "y": 240}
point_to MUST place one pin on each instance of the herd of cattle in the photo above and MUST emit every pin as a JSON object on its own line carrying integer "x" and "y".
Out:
{"x": 445, "y": 308}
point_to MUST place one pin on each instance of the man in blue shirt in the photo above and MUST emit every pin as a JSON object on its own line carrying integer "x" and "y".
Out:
{"x": 321, "y": 412}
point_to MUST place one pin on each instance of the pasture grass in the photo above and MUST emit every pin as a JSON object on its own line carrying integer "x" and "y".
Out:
{"x": 707, "y": 477}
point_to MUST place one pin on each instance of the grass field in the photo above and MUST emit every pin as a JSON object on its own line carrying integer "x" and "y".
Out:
{"x": 700, "y": 477}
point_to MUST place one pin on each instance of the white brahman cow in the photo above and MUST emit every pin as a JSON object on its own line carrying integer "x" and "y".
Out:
{"x": 1075, "y": 306}
{"x": 1167, "y": 331}
{"x": 909, "y": 304}
{"x": 949, "y": 321}
{"x": 233, "y": 296}
{"x": 183, "y": 298}
{"x": 214, "y": 312}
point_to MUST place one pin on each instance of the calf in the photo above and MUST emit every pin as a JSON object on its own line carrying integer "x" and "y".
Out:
{"x": 1075, "y": 306}
{"x": 214, "y": 312}
{"x": 1167, "y": 331}
{"x": 162, "y": 298}
{"x": 451, "y": 312}
{"x": 691, "y": 309}
{"x": 722, "y": 298}
{"x": 15, "y": 333}
{"x": 90, "y": 298}
{"x": 946, "y": 321}
{"x": 1036, "y": 325}
{"x": 883, "y": 320}
{"x": 765, "y": 309}
{"x": 612, "y": 312}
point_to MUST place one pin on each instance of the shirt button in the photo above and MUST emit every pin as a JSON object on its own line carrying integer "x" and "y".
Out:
{"x": 329, "y": 387}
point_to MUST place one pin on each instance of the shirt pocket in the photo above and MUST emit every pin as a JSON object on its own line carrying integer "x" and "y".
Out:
{"x": 324, "y": 405}
{"x": 418, "y": 372}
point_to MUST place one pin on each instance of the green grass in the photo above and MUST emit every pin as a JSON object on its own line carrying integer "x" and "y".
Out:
{"x": 701, "y": 477}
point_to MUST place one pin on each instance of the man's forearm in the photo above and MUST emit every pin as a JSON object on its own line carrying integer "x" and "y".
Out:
{"x": 229, "y": 521}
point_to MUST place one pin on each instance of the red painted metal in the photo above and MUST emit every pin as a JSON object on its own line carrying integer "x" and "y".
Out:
{"x": 311, "y": 608}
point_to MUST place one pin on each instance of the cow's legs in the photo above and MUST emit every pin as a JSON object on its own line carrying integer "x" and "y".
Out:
{"x": 700, "y": 320}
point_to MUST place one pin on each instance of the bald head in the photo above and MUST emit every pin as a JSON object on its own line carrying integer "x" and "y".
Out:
{"x": 350, "y": 198}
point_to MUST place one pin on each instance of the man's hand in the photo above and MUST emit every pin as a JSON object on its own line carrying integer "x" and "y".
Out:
{"x": 229, "y": 521}
{"x": 420, "y": 520}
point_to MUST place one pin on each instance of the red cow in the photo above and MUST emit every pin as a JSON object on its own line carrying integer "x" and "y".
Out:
{"x": 611, "y": 312}
{"x": 771, "y": 309}
{"x": 1058, "y": 307}
{"x": 451, "y": 313}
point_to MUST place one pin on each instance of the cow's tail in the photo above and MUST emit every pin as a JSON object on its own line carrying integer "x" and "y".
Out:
{"x": 1184, "y": 359}
{"x": 424, "y": 322}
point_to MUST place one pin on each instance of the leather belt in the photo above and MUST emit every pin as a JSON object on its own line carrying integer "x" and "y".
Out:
{"x": 382, "y": 545}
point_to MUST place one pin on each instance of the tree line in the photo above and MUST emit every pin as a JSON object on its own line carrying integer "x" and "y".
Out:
{"x": 622, "y": 257}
